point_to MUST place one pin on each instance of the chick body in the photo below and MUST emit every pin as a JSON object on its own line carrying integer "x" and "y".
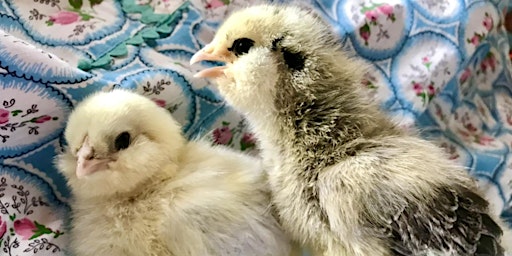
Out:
{"x": 194, "y": 200}
{"x": 345, "y": 180}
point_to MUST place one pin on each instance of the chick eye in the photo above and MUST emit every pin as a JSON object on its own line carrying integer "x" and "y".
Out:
{"x": 122, "y": 141}
{"x": 241, "y": 46}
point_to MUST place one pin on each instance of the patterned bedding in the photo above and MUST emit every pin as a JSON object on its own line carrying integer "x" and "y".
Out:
{"x": 440, "y": 65}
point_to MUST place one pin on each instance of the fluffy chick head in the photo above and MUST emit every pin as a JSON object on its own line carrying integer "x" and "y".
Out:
{"x": 266, "y": 46}
{"x": 117, "y": 140}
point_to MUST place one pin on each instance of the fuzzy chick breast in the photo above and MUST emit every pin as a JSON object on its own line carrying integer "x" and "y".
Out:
{"x": 126, "y": 227}
{"x": 140, "y": 188}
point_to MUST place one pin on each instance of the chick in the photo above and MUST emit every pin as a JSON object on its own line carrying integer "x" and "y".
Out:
{"x": 141, "y": 189}
{"x": 345, "y": 180}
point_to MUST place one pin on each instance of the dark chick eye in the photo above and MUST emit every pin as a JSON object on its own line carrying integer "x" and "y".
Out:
{"x": 122, "y": 141}
{"x": 241, "y": 46}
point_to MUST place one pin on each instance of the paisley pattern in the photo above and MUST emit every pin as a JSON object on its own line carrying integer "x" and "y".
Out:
{"x": 440, "y": 65}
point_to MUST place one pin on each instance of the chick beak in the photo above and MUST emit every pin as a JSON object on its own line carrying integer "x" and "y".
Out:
{"x": 209, "y": 53}
{"x": 87, "y": 163}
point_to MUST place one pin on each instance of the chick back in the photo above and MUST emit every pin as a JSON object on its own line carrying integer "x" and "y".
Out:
{"x": 224, "y": 197}
{"x": 403, "y": 191}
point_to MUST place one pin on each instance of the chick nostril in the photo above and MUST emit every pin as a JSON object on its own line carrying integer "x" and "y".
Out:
{"x": 208, "y": 48}
{"x": 90, "y": 155}
{"x": 86, "y": 153}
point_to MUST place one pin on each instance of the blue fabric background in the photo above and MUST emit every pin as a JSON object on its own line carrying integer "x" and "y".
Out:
{"x": 440, "y": 65}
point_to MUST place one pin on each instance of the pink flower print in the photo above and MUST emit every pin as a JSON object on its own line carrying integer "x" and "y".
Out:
{"x": 212, "y": 4}
{"x": 385, "y": 9}
{"x": 483, "y": 66}
{"x": 364, "y": 32}
{"x": 64, "y": 17}
{"x": 25, "y": 228}
{"x": 42, "y": 119}
{"x": 431, "y": 90}
{"x": 465, "y": 75}
{"x": 470, "y": 127}
{"x": 365, "y": 35}
{"x": 3, "y": 228}
{"x": 222, "y": 135}
{"x": 30, "y": 230}
{"x": 160, "y": 102}
{"x": 476, "y": 39}
{"x": 488, "y": 22}
{"x": 417, "y": 87}
{"x": 484, "y": 140}
{"x": 4, "y": 116}
{"x": 489, "y": 61}
{"x": 248, "y": 138}
{"x": 492, "y": 63}
{"x": 372, "y": 16}
{"x": 426, "y": 61}
{"x": 247, "y": 141}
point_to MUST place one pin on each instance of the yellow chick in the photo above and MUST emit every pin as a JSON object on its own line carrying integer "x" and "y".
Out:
{"x": 140, "y": 188}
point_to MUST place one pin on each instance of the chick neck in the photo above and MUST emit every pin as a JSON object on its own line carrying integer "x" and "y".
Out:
{"x": 139, "y": 190}
{"x": 324, "y": 121}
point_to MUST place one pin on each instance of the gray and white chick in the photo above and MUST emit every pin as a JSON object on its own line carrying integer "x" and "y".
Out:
{"x": 140, "y": 188}
{"x": 345, "y": 179}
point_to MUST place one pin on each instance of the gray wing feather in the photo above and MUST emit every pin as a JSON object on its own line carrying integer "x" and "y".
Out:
{"x": 458, "y": 221}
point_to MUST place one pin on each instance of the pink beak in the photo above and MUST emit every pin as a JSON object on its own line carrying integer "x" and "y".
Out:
{"x": 209, "y": 53}
{"x": 86, "y": 163}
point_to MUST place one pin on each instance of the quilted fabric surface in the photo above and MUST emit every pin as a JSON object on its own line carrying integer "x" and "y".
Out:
{"x": 440, "y": 65}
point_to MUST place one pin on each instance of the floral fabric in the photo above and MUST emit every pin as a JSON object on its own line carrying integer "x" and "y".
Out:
{"x": 441, "y": 65}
